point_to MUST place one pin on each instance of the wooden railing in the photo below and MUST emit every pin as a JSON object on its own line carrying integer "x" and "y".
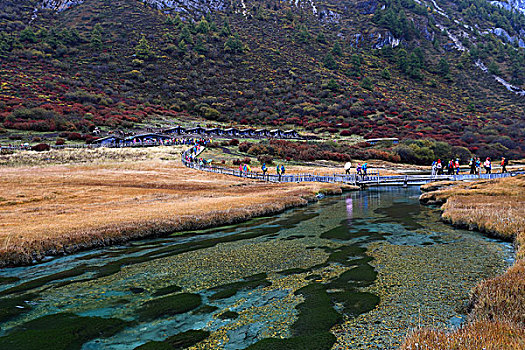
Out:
{"x": 370, "y": 179}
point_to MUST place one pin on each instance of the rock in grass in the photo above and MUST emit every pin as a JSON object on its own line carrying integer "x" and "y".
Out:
{"x": 60, "y": 332}
{"x": 178, "y": 341}
{"x": 169, "y": 305}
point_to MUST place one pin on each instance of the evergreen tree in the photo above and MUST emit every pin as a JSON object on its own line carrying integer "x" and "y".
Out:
{"x": 203, "y": 26}
{"x": 321, "y": 38}
{"x": 337, "y": 50}
{"x": 225, "y": 30}
{"x": 493, "y": 68}
{"x": 185, "y": 35}
{"x": 385, "y": 74}
{"x": 96, "y": 37}
{"x": 443, "y": 67}
{"x": 28, "y": 35}
{"x": 143, "y": 49}
{"x": 329, "y": 61}
{"x": 199, "y": 46}
{"x": 5, "y": 45}
{"x": 355, "y": 68}
{"x": 332, "y": 85}
{"x": 182, "y": 47}
{"x": 234, "y": 44}
{"x": 366, "y": 83}
{"x": 302, "y": 36}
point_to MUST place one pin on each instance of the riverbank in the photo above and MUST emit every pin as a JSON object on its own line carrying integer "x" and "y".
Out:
{"x": 62, "y": 202}
{"x": 497, "y": 306}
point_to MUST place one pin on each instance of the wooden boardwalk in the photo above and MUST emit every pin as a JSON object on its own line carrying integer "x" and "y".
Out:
{"x": 370, "y": 180}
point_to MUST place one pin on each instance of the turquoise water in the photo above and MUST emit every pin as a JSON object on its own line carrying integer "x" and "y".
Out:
{"x": 238, "y": 284}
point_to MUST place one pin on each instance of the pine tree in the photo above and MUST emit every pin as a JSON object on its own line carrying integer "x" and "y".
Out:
{"x": 28, "y": 35}
{"x": 185, "y": 35}
{"x": 203, "y": 26}
{"x": 329, "y": 61}
{"x": 321, "y": 38}
{"x": 366, "y": 83}
{"x": 234, "y": 44}
{"x": 385, "y": 74}
{"x": 443, "y": 67}
{"x": 337, "y": 50}
{"x": 225, "y": 30}
{"x": 96, "y": 37}
{"x": 143, "y": 49}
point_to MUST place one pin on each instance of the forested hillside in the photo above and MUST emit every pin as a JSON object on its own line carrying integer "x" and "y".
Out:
{"x": 449, "y": 71}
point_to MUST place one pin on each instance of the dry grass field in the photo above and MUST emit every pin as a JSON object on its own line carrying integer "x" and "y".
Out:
{"x": 58, "y": 202}
{"x": 497, "y": 310}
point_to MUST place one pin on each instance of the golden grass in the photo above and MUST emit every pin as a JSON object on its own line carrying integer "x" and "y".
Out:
{"x": 497, "y": 316}
{"x": 59, "y": 209}
{"x": 487, "y": 335}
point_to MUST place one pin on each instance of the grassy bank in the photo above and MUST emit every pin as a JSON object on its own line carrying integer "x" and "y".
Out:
{"x": 58, "y": 203}
{"x": 497, "y": 307}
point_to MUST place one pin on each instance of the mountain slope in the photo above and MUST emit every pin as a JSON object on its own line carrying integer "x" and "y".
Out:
{"x": 369, "y": 68}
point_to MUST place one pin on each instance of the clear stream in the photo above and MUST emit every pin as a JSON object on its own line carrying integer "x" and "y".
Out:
{"x": 349, "y": 272}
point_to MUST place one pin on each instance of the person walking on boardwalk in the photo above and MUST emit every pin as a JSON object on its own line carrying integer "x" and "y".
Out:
{"x": 282, "y": 169}
{"x": 488, "y": 166}
{"x": 364, "y": 168}
{"x": 264, "y": 169}
{"x": 472, "y": 165}
{"x": 456, "y": 165}
{"x": 439, "y": 167}
{"x": 348, "y": 166}
{"x": 504, "y": 163}
{"x": 478, "y": 166}
{"x": 278, "y": 170}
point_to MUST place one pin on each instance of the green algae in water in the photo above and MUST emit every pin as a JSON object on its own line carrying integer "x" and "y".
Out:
{"x": 167, "y": 290}
{"x": 356, "y": 303}
{"x": 320, "y": 341}
{"x": 230, "y": 289}
{"x": 14, "y": 306}
{"x": 60, "y": 332}
{"x": 316, "y": 313}
{"x": 176, "y": 342}
{"x": 232, "y": 315}
{"x": 402, "y": 213}
{"x": 294, "y": 271}
{"x": 169, "y": 306}
{"x": 311, "y": 330}
{"x": 8, "y": 280}
{"x": 205, "y": 309}
{"x": 39, "y": 282}
{"x": 342, "y": 254}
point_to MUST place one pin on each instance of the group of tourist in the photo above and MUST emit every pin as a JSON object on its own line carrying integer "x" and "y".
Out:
{"x": 360, "y": 169}
{"x": 168, "y": 142}
{"x": 453, "y": 166}
{"x": 191, "y": 154}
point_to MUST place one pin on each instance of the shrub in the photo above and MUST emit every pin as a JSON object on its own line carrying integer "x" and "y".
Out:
{"x": 265, "y": 158}
{"x": 41, "y": 147}
{"x": 247, "y": 160}
{"x": 74, "y": 136}
{"x": 244, "y": 147}
{"x": 60, "y": 141}
{"x": 234, "y": 142}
